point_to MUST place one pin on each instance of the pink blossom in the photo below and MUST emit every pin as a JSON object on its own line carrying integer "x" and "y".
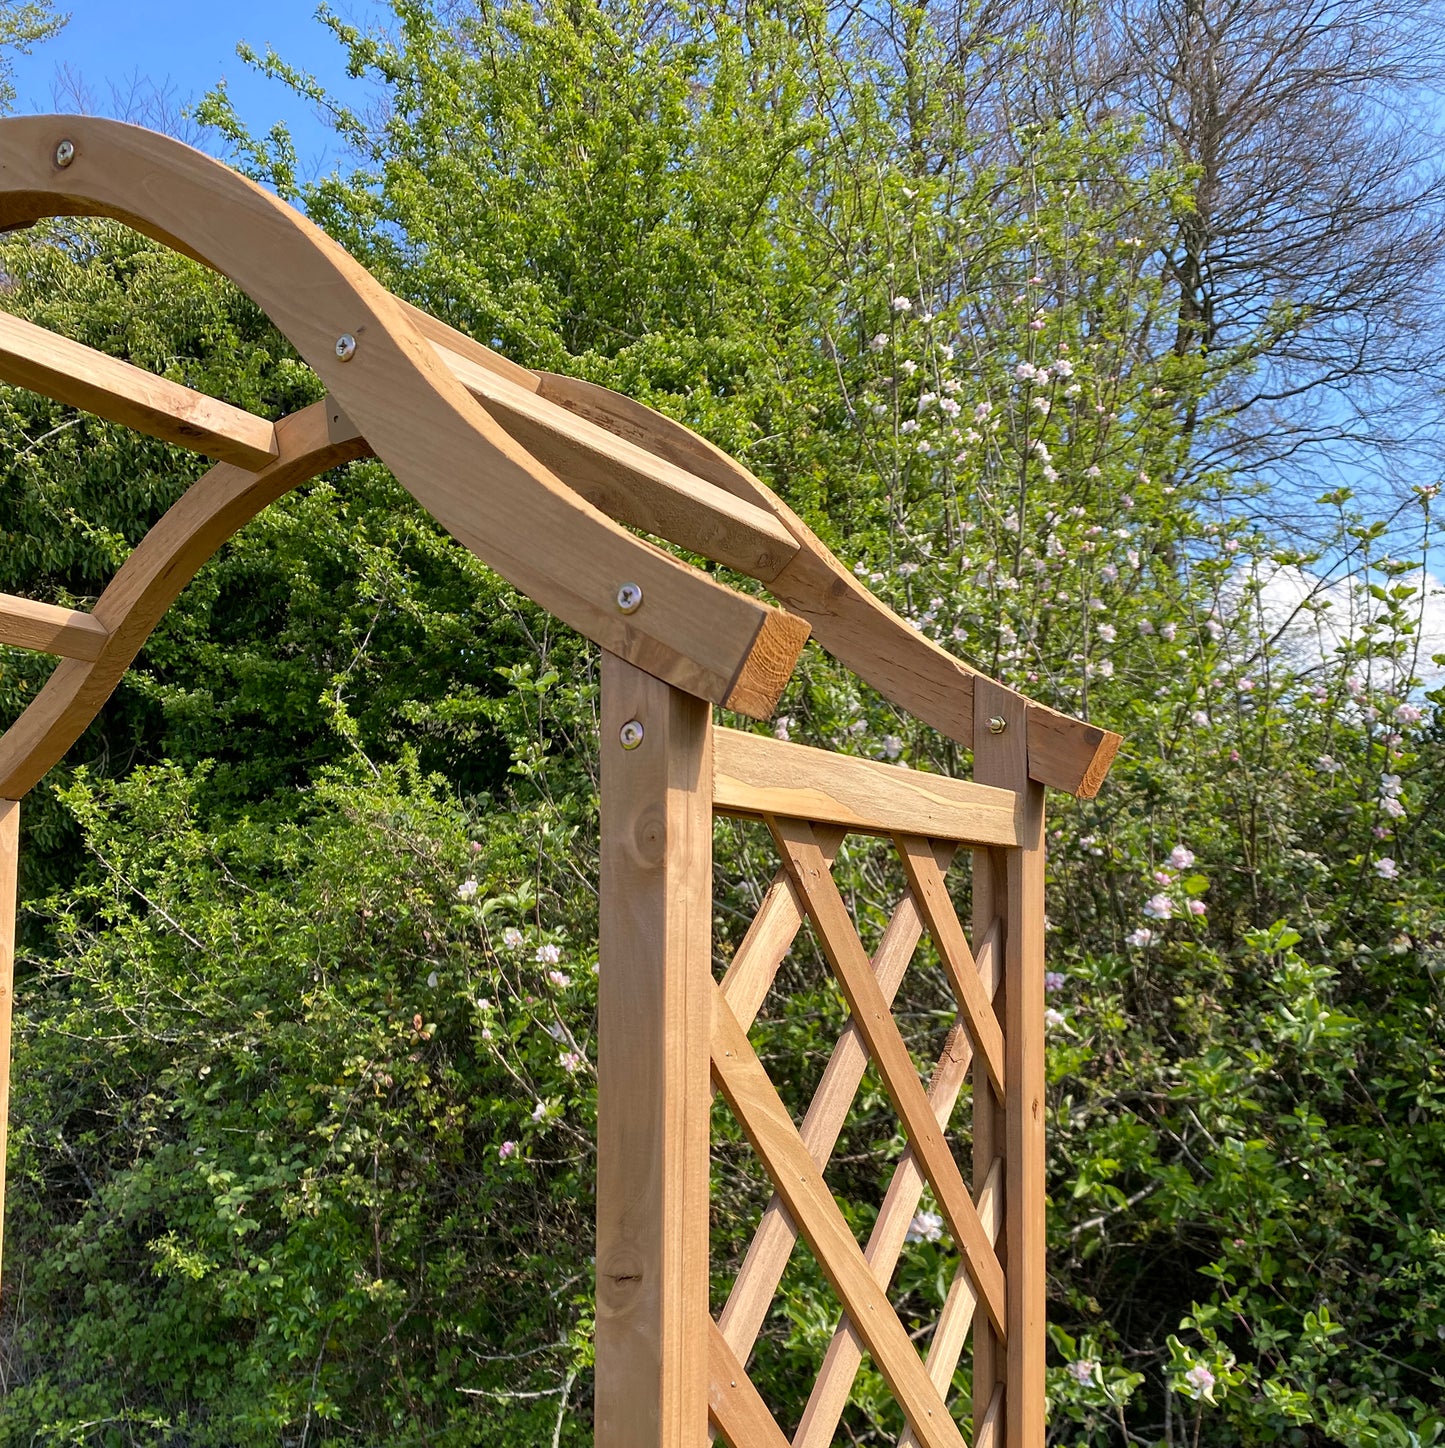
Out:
{"x": 1181, "y": 858}
{"x": 507, "y": 1150}
{"x": 570, "y": 1061}
{"x": 902, "y": 304}
{"x": 1054, "y": 980}
{"x": 1159, "y": 907}
{"x": 1054, "y": 1018}
{"x": 1200, "y": 1380}
{"x": 1168, "y": 632}
{"x": 512, "y": 938}
{"x": 1408, "y": 714}
{"x": 1084, "y": 1371}
{"x": 925, "y": 1227}
{"x": 547, "y": 955}
{"x": 559, "y": 978}
{"x": 1386, "y": 868}
{"x": 1197, "y": 907}
{"x": 1107, "y": 632}
{"x": 1163, "y": 877}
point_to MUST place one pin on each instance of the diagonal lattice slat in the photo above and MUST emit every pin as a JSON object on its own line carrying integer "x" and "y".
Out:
{"x": 772, "y": 1244}
{"x": 735, "y": 1406}
{"x": 849, "y": 961}
{"x": 925, "y": 883}
{"x": 775, "y": 926}
{"x": 764, "y": 1118}
{"x": 885, "y": 1245}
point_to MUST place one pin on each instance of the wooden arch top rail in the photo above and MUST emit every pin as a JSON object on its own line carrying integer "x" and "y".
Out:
{"x": 537, "y": 474}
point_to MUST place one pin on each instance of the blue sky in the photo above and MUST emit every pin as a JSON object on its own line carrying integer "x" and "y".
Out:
{"x": 183, "y": 48}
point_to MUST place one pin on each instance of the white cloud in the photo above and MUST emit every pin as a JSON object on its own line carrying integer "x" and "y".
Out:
{"x": 1314, "y": 616}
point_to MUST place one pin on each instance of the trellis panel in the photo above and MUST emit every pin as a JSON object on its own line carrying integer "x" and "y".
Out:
{"x": 809, "y": 800}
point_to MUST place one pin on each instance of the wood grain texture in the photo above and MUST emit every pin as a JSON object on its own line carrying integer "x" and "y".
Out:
{"x": 150, "y": 580}
{"x": 49, "y": 629}
{"x": 989, "y": 893}
{"x": 757, "y": 776}
{"x": 844, "y": 1355}
{"x": 767, "y": 1256}
{"x": 9, "y": 872}
{"x": 735, "y": 1407}
{"x": 654, "y": 1018}
{"x": 765, "y": 1120}
{"x": 442, "y": 446}
{"x": 1025, "y": 1107}
{"x": 79, "y": 376}
{"x": 840, "y": 943}
{"x": 856, "y": 628}
{"x": 627, "y": 482}
{"x": 950, "y": 1332}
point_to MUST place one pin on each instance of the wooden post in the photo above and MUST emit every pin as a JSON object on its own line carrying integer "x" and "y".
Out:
{"x": 9, "y": 868}
{"x": 653, "y": 1091}
{"x": 1017, "y": 893}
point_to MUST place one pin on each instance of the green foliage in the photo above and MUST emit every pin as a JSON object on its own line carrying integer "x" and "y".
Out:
{"x": 304, "y": 1113}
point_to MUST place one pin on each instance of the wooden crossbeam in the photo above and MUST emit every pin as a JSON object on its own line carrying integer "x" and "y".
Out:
{"x": 849, "y": 961}
{"x": 626, "y": 481}
{"x": 886, "y": 1241}
{"x": 50, "y": 629}
{"x": 79, "y": 376}
{"x": 760, "y": 1111}
{"x": 757, "y": 776}
{"x": 767, "y": 1255}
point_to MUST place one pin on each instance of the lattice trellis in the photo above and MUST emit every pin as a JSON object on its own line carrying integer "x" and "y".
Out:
{"x": 796, "y": 1157}
{"x": 659, "y": 994}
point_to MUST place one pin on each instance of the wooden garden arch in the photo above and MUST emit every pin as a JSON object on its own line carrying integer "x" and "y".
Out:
{"x": 537, "y": 474}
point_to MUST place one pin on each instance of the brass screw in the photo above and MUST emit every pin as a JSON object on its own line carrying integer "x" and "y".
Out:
{"x": 630, "y": 735}
{"x": 997, "y": 725}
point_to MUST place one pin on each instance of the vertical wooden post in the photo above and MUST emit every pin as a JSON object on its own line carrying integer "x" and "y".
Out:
{"x": 1001, "y": 758}
{"x": 9, "y": 869}
{"x": 653, "y": 1097}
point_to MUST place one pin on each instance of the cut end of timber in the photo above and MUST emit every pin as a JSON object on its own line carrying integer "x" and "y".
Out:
{"x": 1067, "y": 754}
{"x": 769, "y": 665}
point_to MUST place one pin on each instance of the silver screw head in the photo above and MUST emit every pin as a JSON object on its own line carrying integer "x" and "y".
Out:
{"x": 629, "y": 597}
{"x": 346, "y": 346}
{"x": 997, "y": 725}
{"x": 630, "y": 735}
{"x": 65, "y": 153}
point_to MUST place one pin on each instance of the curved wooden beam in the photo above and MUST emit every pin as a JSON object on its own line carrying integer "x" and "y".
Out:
{"x": 150, "y": 580}
{"x": 443, "y": 447}
{"x": 847, "y": 620}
